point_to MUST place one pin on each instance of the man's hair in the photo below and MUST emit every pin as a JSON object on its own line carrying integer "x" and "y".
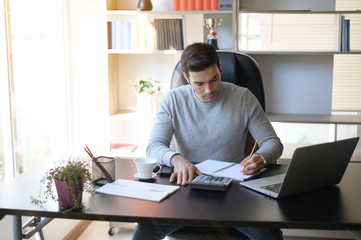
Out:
{"x": 198, "y": 57}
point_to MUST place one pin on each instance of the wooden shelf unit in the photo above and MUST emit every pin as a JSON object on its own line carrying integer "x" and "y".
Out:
{"x": 279, "y": 68}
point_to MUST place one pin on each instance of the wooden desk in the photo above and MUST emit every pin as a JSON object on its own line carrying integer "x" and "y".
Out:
{"x": 336, "y": 207}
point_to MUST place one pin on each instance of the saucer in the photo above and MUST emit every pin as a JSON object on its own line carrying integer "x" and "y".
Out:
{"x": 137, "y": 176}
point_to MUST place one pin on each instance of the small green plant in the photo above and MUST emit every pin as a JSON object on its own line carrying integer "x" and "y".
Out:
{"x": 149, "y": 86}
{"x": 70, "y": 170}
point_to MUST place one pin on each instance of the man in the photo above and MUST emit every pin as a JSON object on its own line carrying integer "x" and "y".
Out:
{"x": 209, "y": 119}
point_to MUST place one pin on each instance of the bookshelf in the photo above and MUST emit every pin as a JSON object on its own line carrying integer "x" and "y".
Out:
{"x": 297, "y": 69}
{"x": 126, "y": 64}
{"x": 288, "y": 74}
{"x": 297, "y": 31}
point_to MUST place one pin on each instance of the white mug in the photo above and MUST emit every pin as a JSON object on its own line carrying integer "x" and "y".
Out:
{"x": 145, "y": 167}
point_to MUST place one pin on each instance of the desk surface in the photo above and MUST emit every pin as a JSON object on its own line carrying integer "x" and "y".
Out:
{"x": 337, "y": 207}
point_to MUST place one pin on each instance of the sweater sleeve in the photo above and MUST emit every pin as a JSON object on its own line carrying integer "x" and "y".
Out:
{"x": 161, "y": 135}
{"x": 270, "y": 146}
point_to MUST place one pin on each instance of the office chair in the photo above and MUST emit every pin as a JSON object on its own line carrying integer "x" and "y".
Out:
{"x": 242, "y": 70}
{"x": 239, "y": 69}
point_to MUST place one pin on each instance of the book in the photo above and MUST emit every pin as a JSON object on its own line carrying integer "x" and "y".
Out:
{"x": 150, "y": 36}
{"x": 347, "y": 35}
{"x": 191, "y": 5}
{"x": 176, "y": 5}
{"x": 142, "y": 34}
{"x": 139, "y": 190}
{"x": 114, "y": 35}
{"x": 225, "y": 4}
{"x": 199, "y": 5}
{"x": 119, "y": 43}
{"x": 134, "y": 35}
{"x": 224, "y": 169}
{"x": 214, "y": 5}
{"x": 110, "y": 34}
{"x": 206, "y": 4}
{"x": 126, "y": 35}
{"x": 340, "y": 38}
{"x": 184, "y": 32}
{"x": 169, "y": 34}
{"x": 183, "y": 5}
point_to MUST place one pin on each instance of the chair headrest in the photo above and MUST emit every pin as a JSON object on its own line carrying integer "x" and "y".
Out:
{"x": 237, "y": 68}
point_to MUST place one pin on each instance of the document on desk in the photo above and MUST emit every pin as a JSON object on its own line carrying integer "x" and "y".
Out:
{"x": 140, "y": 190}
{"x": 224, "y": 169}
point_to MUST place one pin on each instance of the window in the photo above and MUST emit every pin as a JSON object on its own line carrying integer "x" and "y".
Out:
{"x": 33, "y": 113}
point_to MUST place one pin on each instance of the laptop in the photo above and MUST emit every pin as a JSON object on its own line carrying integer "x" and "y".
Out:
{"x": 310, "y": 168}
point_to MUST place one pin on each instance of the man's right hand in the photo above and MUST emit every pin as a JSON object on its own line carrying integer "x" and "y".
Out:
{"x": 183, "y": 170}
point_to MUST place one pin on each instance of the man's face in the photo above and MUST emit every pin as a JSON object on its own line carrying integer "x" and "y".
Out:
{"x": 206, "y": 83}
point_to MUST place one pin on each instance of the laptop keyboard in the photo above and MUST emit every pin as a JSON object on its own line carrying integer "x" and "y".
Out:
{"x": 273, "y": 187}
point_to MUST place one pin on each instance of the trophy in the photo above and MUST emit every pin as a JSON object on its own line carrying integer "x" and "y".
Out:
{"x": 212, "y": 24}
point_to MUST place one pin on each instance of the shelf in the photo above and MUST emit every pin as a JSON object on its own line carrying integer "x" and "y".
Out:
{"x": 123, "y": 115}
{"x": 135, "y": 12}
{"x": 306, "y": 11}
{"x": 115, "y": 51}
{"x": 298, "y": 52}
{"x": 161, "y": 52}
{"x": 315, "y": 118}
{"x": 128, "y": 115}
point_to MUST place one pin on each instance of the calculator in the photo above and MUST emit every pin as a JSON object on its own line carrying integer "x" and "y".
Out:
{"x": 210, "y": 183}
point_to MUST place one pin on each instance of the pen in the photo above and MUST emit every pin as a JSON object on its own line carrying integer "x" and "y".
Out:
{"x": 250, "y": 155}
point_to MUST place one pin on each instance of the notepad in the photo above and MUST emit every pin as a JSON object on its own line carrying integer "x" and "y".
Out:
{"x": 224, "y": 169}
{"x": 139, "y": 190}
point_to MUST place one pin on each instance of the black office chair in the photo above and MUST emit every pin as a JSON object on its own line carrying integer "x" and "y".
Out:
{"x": 237, "y": 68}
{"x": 241, "y": 70}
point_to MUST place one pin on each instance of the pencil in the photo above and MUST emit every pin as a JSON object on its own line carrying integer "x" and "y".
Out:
{"x": 250, "y": 155}
{"x": 254, "y": 147}
{"x": 104, "y": 171}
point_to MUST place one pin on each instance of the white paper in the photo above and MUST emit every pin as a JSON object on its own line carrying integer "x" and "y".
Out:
{"x": 234, "y": 172}
{"x": 210, "y": 166}
{"x": 140, "y": 190}
{"x": 224, "y": 169}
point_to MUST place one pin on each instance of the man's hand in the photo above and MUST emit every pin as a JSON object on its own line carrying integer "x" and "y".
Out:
{"x": 253, "y": 164}
{"x": 183, "y": 170}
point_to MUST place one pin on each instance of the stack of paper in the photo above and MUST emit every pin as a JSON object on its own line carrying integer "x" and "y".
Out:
{"x": 224, "y": 169}
{"x": 140, "y": 190}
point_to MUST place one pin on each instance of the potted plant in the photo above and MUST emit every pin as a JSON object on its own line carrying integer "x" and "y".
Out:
{"x": 71, "y": 178}
{"x": 147, "y": 90}
{"x": 148, "y": 86}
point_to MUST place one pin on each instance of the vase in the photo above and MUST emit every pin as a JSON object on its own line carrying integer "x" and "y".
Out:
{"x": 147, "y": 104}
{"x": 145, "y": 5}
{"x": 69, "y": 193}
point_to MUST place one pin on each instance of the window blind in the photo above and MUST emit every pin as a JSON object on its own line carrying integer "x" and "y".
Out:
{"x": 346, "y": 92}
{"x": 289, "y": 32}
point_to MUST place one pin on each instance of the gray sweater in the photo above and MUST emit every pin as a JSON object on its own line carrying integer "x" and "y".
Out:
{"x": 215, "y": 130}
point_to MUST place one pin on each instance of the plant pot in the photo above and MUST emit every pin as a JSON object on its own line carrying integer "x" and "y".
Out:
{"x": 147, "y": 104}
{"x": 69, "y": 193}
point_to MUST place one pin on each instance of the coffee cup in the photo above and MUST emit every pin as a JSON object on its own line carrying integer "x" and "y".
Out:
{"x": 145, "y": 167}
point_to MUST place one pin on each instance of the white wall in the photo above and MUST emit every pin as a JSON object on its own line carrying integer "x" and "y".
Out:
{"x": 297, "y": 83}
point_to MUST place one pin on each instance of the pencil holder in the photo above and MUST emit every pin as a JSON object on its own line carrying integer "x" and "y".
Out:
{"x": 98, "y": 176}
